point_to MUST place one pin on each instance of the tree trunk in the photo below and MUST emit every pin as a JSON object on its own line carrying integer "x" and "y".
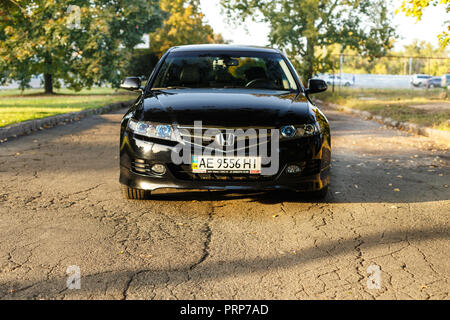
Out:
{"x": 48, "y": 83}
{"x": 309, "y": 60}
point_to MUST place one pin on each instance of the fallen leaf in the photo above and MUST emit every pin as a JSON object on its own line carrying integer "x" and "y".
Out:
{"x": 396, "y": 190}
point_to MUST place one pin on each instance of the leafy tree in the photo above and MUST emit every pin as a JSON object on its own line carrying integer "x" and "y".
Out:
{"x": 183, "y": 25}
{"x": 415, "y": 9}
{"x": 83, "y": 43}
{"x": 142, "y": 62}
{"x": 300, "y": 27}
{"x": 429, "y": 66}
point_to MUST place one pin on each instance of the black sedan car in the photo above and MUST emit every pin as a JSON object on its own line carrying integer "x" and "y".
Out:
{"x": 224, "y": 117}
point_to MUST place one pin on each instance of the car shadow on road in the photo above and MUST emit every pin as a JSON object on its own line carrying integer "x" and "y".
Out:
{"x": 147, "y": 278}
{"x": 267, "y": 197}
{"x": 346, "y": 195}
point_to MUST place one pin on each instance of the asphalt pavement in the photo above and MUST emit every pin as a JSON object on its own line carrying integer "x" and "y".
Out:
{"x": 381, "y": 233}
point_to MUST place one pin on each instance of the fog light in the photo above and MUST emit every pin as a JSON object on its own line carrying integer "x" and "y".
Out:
{"x": 159, "y": 168}
{"x": 292, "y": 169}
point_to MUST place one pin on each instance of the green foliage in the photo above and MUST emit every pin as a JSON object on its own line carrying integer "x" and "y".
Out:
{"x": 142, "y": 63}
{"x": 414, "y": 8}
{"x": 183, "y": 25}
{"x": 44, "y": 37}
{"x": 300, "y": 27}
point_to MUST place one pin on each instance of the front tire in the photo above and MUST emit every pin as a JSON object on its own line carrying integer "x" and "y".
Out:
{"x": 135, "y": 194}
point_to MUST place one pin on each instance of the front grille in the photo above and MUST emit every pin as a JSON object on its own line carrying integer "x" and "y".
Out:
{"x": 184, "y": 172}
{"x": 243, "y": 138}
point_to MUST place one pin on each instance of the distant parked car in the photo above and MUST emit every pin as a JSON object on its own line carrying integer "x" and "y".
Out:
{"x": 433, "y": 82}
{"x": 445, "y": 81}
{"x": 338, "y": 81}
{"x": 419, "y": 80}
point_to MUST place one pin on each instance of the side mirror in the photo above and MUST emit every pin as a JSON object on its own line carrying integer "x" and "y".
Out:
{"x": 316, "y": 85}
{"x": 131, "y": 83}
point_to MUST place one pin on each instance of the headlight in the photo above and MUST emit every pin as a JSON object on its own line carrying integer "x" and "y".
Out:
{"x": 152, "y": 130}
{"x": 303, "y": 130}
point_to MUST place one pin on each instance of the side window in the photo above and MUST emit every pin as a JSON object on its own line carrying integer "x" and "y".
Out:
{"x": 290, "y": 79}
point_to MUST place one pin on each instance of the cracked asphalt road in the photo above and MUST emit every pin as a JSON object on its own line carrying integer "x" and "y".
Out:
{"x": 61, "y": 205}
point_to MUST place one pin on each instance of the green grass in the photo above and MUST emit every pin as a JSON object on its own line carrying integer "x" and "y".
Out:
{"x": 17, "y": 106}
{"x": 395, "y": 104}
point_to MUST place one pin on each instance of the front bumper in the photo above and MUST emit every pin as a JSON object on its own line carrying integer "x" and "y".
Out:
{"x": 312, "y": 152}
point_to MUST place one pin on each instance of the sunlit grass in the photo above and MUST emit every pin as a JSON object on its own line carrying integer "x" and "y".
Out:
{"x": 63, "y": 91}
{"x": 396, "y": 104}
{"x": 17, "y": 106}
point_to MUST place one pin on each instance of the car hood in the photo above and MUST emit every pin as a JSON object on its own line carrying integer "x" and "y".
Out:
{"x": 225, "y": 107}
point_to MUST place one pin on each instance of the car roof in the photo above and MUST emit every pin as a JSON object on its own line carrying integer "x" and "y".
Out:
{"x": 222, "y": 47}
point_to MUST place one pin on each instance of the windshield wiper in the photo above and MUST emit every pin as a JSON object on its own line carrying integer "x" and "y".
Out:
{"x": 170, "y": 87}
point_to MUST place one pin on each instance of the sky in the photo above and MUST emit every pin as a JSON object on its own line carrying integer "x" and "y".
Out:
{"x": 432, "y": 24}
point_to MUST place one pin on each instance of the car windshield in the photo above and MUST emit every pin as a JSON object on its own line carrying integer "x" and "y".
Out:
{"x": 255, "y": 70}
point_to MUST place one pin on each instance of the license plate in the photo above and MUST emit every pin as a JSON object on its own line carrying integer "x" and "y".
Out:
{"x": 213, "y": 164}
